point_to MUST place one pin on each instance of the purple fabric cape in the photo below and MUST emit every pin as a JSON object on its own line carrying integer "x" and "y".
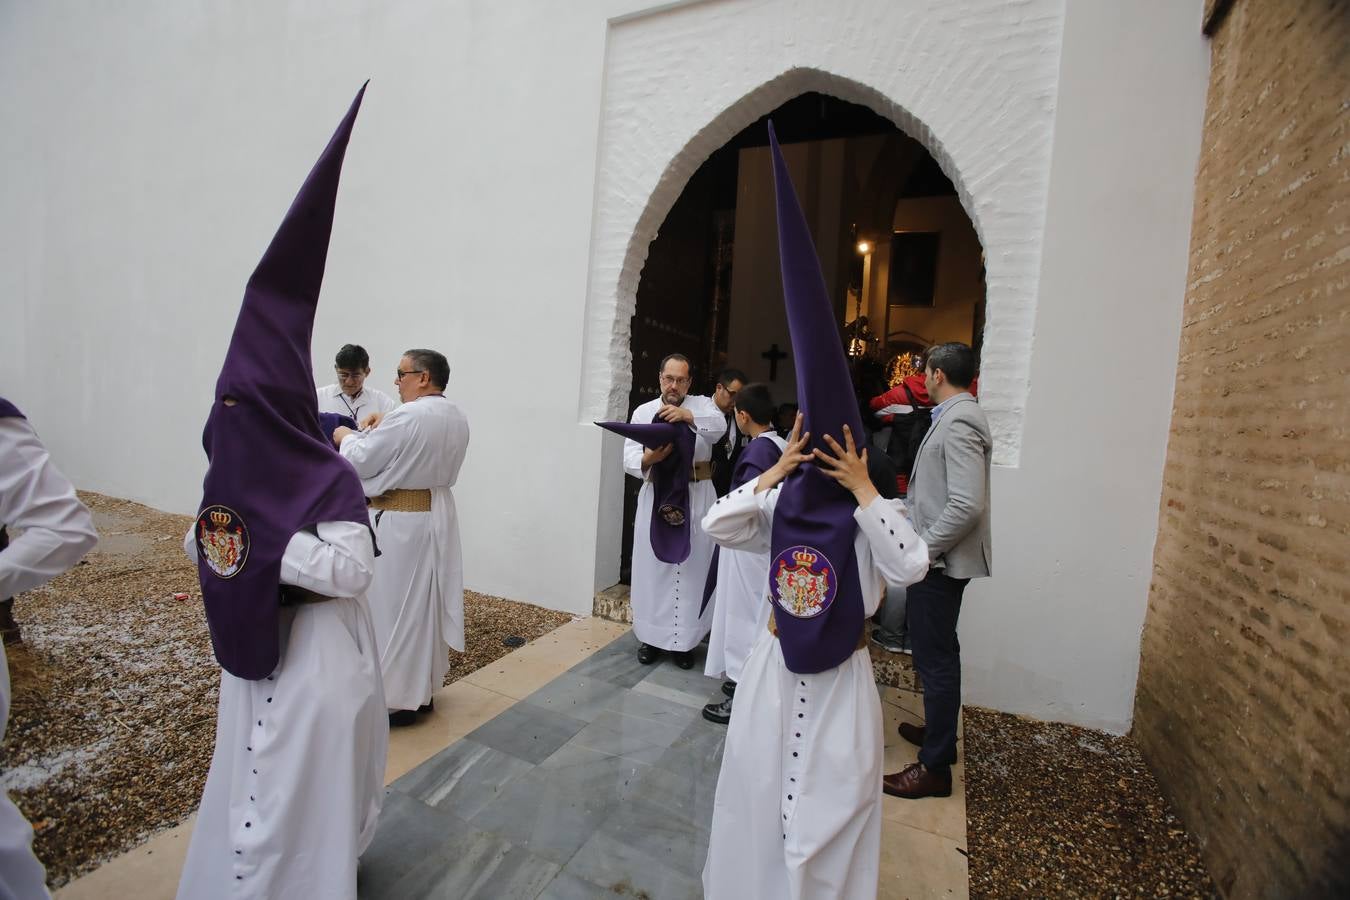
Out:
{"x": 813, "y": 568}
{"x": 670, "y": 484}
{"x": 9, "y": 410}
{"x": 331, "y": 422}
{"x": 271, "y": 471}
{"x": 756, "y": 457}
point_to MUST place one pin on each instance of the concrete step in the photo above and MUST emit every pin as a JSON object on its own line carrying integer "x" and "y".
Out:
{"x": 891, "y": 669}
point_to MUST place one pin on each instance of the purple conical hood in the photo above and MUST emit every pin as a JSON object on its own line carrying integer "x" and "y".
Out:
{"x": 669, "y": 527}
{"x": 271, "y": 472}
{"x": 813, "y": 573}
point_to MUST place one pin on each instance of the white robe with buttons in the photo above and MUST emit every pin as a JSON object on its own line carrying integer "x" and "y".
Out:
{"x": 297, "y": 776}
{"x": 739, "y": 608}
{"x": 417, "y": 597}
{"x": 665, "y": 597}
{"x": 57, "y": 531}
{"x": 797, "y": 814}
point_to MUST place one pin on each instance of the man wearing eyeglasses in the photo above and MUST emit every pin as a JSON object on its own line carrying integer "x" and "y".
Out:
{"x": 666, "y": 596}
{"x": 350, "y": 397}
{"x": 728, "y": 447}
{"x": 409, "y": 460}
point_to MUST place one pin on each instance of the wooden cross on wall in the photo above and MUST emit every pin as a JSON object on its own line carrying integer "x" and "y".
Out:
{"x": 773, "y": 355}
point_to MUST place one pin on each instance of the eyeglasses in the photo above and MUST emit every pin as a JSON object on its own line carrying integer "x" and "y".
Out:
{"x": 671, "y": 379}
{"x": 349, "y": 376}
{"x": 399, "y": 374}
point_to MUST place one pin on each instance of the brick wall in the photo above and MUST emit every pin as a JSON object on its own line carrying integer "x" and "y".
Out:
{"x": 1243, "y": 703}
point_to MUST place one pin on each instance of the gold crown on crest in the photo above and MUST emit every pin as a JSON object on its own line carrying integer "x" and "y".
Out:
{"x": 220, "y": 518}
{"x": 805, "y": 558}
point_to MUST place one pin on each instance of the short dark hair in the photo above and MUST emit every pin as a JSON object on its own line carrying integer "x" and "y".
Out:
{"x": 352, "y": 356}
{"x": 730, "y": 375}
{"x": 756, "y": 402}
{"x": 434, "y": 364}
{"x": 677, "y": 357}
{"x": 957, "y": 362}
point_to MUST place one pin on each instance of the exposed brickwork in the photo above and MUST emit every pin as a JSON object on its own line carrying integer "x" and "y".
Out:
{"x": 1243, "y": 704}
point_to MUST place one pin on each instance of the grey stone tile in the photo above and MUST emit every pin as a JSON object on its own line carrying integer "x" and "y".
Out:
{"x": 616, "y": 663}
{"x": 627, "y": 871}
{"x": 644, "y": 705}
{"x": 660, "y": 833}
{"x": 476, "y": 865}
{"x": 665, "y": 788}
{"x": 670, "y": 696}
{"x": 408, "y": 833}
{"x": 578, "y": 696}
{"x": 554, "y": 809}
{"x": 688, "y": 681}
{"x": 527, "y": 732}
{"x": 697, "y": 755}
{"x": 570, "y": 887}
{"x": 462, "y": 778}
{"x": 640, "y": 740}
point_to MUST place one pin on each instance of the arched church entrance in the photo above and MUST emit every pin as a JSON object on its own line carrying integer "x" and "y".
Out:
{"x": 900, "y": 256}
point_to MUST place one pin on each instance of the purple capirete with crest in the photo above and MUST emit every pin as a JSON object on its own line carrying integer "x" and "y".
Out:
{"x": 271, "y": 470}
{"x": 670, "y": 483}
{"x": 813, "y": 568}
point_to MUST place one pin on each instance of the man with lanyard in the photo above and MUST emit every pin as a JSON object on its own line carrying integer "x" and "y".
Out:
{"x": 409, "y": 461}
{"x": 797, "y": 815}
{"x": 671, "y": 554}
{"x": 57, "y": 532}
{"x": 351, "y": 397}
{"x": 284, "y": 556}
{"x": 728, "y": 447}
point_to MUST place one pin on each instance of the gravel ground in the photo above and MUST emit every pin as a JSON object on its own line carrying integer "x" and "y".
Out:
{"x": 1058, "y": 811}
{"x": 112, "y": 720}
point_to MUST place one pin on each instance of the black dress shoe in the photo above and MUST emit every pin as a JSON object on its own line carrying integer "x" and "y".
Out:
{"x": 401, "y": 718}
{"x": 729, "y": 688}
{"x": 647, "y": 654}
{"x": 718, "y": 712}
{"x": 912, "y": 733}
{"x": 683, "y": 658}
{"x": 426, "y": 707}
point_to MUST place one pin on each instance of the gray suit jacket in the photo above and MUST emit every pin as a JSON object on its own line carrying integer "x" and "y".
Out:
{"x": 948, "y": 495}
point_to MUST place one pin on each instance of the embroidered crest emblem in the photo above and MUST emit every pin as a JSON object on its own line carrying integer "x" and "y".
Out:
{"x": 222, "y": 540}
{"x": 803, "y": 582}
{"x": 672, "y": 515}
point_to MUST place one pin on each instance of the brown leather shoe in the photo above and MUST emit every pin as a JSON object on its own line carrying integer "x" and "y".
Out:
{"x": 915, "y": 781}
{"x": 912, "y": 733}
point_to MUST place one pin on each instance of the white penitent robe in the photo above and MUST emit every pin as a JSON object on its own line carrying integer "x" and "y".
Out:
{"x": 740, "y": 608}
{"x": 370, "y": 400}
{"x": 417, "y": 598}
{"x": 666, "y": 596}
{"x": 297, "y": 776}
{"x": 57, "y": 531}
{"x": 797, "y": 815}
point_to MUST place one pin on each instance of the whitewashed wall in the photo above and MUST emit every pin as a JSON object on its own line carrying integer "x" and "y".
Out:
{"x": 511, "y": 163}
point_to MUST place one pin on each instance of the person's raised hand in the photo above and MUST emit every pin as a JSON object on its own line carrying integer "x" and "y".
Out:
{"x": 653, "y": 455}
{"x": 793, "y": 456}
{"x": 847, "y": 466}
{"x": 671, "y": 413}
{"x": 371, "y": 421}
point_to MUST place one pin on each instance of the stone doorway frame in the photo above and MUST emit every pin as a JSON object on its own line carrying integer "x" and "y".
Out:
{"x": 976, "y": 90}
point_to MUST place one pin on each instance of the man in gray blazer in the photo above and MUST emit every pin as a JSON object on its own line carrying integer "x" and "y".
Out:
{"x": 948, "y": 503}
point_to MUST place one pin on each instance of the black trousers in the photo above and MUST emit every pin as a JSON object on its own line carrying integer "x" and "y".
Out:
{"x": 934, "y": 607}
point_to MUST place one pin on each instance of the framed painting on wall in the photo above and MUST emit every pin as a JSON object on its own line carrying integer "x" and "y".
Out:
{"x": 913, "y": 268}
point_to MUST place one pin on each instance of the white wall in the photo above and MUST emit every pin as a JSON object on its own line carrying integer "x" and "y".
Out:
{"x": 509, "y": 168}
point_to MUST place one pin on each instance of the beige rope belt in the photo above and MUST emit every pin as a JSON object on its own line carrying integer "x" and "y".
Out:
{"x": 773, "y": 630}
{"x": 295, "y": 596}
{"x": 702, "y": 471}
{"x": 403, "y": 500}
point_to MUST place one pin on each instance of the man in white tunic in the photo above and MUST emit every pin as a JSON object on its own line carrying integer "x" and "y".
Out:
{"x": 351, "y": 396}
{"x": 409, "y": 461}
{"x": 57, "y": 532}
{"x": 740, "y": 614}
{"x": 797, "y": 815}
{"x": 666, "y": 596}
{"x": 284, "y": 556}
